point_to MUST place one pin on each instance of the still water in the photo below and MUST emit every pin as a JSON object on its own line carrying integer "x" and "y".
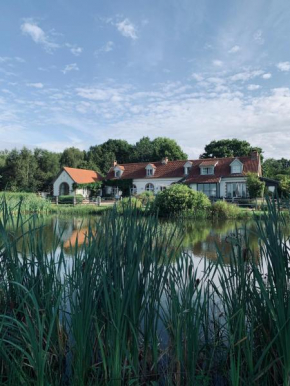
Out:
{"x": 201, "y": 237}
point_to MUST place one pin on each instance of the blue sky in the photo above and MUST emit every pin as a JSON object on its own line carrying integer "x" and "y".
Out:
{"x": 76, "y": 73}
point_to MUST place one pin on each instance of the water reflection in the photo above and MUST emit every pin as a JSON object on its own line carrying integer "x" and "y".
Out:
{"x": 201, "y": 238}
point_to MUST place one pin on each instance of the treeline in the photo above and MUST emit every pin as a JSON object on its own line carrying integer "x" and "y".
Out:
{"x": 34, "y": 170}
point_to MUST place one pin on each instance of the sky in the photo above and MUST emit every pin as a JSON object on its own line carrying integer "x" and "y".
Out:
{"x": 78, "y": 72}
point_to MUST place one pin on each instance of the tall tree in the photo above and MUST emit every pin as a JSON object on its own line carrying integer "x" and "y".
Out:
{"x": 143, "y": 151}
{"x": 166, "y": 147}
{"x": 73, "y": 157}
{"x": 48, "y": 167}
{"x": 228, "y": 148}
{"x": 19, "y": 171}
{"x": 273, "y": 167}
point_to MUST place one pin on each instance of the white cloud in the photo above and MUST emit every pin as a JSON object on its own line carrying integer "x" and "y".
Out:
{"x": 108, "y": 46}
{"x": 38, "y": 35}
{"x": 70, "y": 67}
{"x": 197, "y": 77}
{"x": 253, "y": 87}
{"x": 267, "y": 76}
{"x": 234, "y": 49}
{"x": 35, "y": 85}
{"x": 258, "y": 37}
{"x": 217, "y": 63}
{"x": 127, "y": 29}
{"x": 284, "y": 66}
{"x": 76, "y": 50}
{"x": 246, "y": 75}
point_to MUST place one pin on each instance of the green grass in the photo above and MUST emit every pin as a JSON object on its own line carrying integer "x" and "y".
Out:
{"x": 129, "y": 307}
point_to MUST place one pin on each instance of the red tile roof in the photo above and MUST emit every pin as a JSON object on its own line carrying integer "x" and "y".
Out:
{"x": 209, "y": 162}
{"x": 175, "y": 169}
{"x": 83, "y": 176}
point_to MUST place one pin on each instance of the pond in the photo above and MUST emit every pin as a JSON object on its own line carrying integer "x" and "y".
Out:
{"x": 201, "y": 237}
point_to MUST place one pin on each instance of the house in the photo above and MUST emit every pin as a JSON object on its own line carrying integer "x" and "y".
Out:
{"x": 216, "y": 177}
{"x": 72, "y": 181}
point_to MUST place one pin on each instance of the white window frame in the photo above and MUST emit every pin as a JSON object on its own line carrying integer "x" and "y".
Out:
{"x": 236, "y": 169}
{"x": 149, "y": 187}
{"x": 207, "y": 170}
{"x": 118, "y": 173}
{"x": 149, "y": 172}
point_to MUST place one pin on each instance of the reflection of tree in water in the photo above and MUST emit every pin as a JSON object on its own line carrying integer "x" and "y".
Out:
{"x": 203, "y": 238}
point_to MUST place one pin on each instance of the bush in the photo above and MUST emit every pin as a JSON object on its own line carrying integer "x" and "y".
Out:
{"x": 179, "y": 199}
{"x": 128, "y": 203}
{"x": 30, "y": 202}
{"x": 223, "y": 209}
{"x": 255, "y": 186}
{"x": 70, "y": 199}
{"x": 146, "y": 197}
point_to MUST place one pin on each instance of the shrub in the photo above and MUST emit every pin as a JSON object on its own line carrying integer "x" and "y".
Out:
{"x": 255, "y": 186}
{"x": 146, "y": 197}
{"x": 70, "y": 199}
{"x": 178, "y": 199}
{"x": 223, "y": 209}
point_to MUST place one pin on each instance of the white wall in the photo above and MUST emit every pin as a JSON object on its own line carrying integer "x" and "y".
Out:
{"x": 225, "y": 180}
{"x": 63, "y": 177}
{"x": 157, "y": 182}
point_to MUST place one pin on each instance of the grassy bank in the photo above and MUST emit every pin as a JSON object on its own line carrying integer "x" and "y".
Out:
{"x": 118, "y": 313}
{"x": 31, "y": 203}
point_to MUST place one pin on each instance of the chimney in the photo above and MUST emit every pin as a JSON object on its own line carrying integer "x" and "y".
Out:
{"x": 115, "y": 163}
{"x": 254, "y": 155}
{"x": 164, "y": 160}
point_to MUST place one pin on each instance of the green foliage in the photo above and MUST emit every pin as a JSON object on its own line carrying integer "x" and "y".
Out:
{"x": 70, "y": 199}
{"x": 73, "y": 157}
{"x": 274, "y": 167}
{"x": 179, "y": 200}
{"x": 132, "y": 307}
{"x": 94, "y": 187}
{"x": 30, "y": 202}
{"x": 123, "y": 185}
{"x": 228, "y": 148}
{"x": 225, "y": 210}
{"x": 146, "y": 198}
{"x": 254, "y": 185}
{"x": 284, "y": 184}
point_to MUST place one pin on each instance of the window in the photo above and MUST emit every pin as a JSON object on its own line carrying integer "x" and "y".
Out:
{"x": 134, "y": 189}
{"x": 149, "y": 172}
{"x": 186, "y": 170}
{"x": 209, "y": 170}
{"x": 149, "y": 188}
{"x": 236, "y": 189}
{"x": 209, "y": 189}
{"x": 117, "y": 173}
{"x": 162, "y": 188}
{"x": 236, "y": 169}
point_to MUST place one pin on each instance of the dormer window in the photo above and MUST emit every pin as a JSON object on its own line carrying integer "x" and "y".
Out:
{"x": 236, "y": 167}
{"x": 207, "y": 167}
{"x": 118, "y": 171}
{"x": 187, "y": 166}
{"x": 150, "y": 170}
{"x": 209, "y": 170}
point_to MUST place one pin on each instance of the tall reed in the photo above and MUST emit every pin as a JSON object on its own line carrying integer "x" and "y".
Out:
{"x": 129, "y": 307}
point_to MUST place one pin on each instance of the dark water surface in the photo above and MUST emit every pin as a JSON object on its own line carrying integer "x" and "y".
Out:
{"x": 201, "y": 238}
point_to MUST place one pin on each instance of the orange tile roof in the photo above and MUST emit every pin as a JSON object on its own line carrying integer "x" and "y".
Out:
{"x": 175, "y": 169}
{"x": 83, "y": 176}
{"x": 209, "y": 162}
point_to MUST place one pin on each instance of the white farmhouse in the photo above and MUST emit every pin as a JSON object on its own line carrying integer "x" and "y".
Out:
{"x": 216, "y": 177}
{"x": 70, "y": 180}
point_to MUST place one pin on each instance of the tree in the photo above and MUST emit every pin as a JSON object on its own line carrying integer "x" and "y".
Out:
{"x": 228, "y": 148}
{"x": 143, "y": 151}
{"x": 274, "y": 167}
{"x": 284, "y": 184}
{"x": 255, "y": 185}
{"x": 48, "y": 167}
{"x": 102, "y": 156}
{"x": 166, "y": 147}
{"x": 19, "y": 171}
{"x": 73, "y": 157}
{"x": 180, "y": 198}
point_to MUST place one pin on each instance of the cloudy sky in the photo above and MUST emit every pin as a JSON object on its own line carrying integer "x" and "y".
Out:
{"x": 76, "y": 73}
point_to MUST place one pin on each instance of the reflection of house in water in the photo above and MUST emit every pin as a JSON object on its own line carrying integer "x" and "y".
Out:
{"x": 71, "y": 230}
